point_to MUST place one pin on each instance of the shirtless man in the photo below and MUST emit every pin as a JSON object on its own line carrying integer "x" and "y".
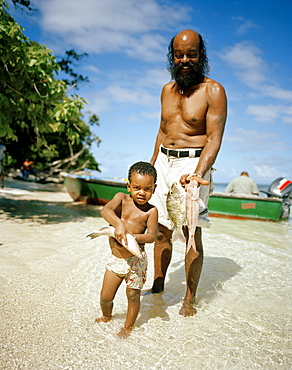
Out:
{"x": 193, "y": 115}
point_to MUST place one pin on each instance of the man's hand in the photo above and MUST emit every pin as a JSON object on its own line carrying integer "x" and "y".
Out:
{"x": 185, "y": 179}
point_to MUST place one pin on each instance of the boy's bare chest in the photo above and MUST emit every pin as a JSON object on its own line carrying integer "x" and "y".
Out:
{"x": 134, "y": 215}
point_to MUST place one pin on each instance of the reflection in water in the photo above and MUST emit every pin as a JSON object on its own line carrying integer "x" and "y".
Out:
{"x": 51, "y": 277}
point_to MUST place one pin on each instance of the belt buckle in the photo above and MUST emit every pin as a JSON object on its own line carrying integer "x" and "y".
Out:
{"x": 183, "y": 153}
{"x": 172, "y": 152}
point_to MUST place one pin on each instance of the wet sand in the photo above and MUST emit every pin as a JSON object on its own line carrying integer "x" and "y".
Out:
{"x": 51, "y": 275}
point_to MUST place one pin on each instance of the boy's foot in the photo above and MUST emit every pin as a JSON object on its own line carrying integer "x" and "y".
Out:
{"x": 124, "y": 333}
{"x": 103, "y": 319}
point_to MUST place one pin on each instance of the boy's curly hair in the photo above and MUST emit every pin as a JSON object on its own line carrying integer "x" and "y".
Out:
{"x": 144, "y": 168}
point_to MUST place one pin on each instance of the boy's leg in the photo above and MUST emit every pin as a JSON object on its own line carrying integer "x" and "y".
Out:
{"x": 133, "y": 296}
{"x": 111, "y": 283}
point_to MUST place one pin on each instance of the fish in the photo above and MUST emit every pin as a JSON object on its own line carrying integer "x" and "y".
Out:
{"x": 176, "y": 208}
{"x": 192, "y": 213}
{"x": 132, "y": 245}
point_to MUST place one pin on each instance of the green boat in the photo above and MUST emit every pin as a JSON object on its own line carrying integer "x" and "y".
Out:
{"x": 245, "y": 207}
{"x": 92, "y": 190}
{"x": 274, "y": 207}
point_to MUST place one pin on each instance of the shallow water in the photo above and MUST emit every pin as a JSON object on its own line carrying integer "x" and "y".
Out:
{"x": 51, "y": 277}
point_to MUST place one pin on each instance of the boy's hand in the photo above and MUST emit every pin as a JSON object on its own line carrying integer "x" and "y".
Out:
{"x": 120, "y": 234}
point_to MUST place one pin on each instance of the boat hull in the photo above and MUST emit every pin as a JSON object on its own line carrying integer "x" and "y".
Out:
{"x": 92, "y": 191}
{"x": 244, "y": 207}
{"x": 99, "y": 192}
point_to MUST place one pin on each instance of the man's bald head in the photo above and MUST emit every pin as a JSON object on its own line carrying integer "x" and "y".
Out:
{"x": 190, "y": 35}
{"x": 188, "y": 43}
{"x": 188, "y": 39}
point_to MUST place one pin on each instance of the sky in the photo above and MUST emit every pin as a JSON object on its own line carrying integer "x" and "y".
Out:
{"x": 249, "y": 50}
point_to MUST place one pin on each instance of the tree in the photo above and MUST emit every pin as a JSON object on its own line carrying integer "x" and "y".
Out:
{"x": 66, "y": 66}
{"x": 38, "y": 119}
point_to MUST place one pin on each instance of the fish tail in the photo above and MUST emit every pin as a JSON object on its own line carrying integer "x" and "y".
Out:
{"x": 106, "y": 230}
{"x": 178, "y": 235}
{"x": 191, "y": 244}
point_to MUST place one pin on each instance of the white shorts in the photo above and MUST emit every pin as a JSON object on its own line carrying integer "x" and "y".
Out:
{"x": 169, "y": 170}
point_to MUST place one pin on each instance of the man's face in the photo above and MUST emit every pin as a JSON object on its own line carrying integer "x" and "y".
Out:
{"x": 187, "y": 70}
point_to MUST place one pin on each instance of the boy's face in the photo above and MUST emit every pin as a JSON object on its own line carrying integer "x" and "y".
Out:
{"x": 141, "y": 187}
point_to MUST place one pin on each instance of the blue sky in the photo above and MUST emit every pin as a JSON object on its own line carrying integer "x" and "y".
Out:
{"x": 249, "y": 50}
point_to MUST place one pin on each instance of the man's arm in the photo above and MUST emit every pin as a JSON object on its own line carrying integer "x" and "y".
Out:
{"x": 255, "y": 190}
{"x": 229, "y": 187}
{"x": 159, "y": 136}
{"x": 215, "y": 124}
{"x": 157, "y": 146}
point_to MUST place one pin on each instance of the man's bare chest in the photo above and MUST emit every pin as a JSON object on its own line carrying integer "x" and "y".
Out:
{"x": 191, "y": 110}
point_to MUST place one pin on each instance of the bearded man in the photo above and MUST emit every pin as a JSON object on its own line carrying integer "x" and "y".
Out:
{"x": 193, "y": 116}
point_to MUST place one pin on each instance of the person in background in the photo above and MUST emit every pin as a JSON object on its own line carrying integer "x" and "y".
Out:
{"x": 242, "y": 185}
{"x": 129, "y": 213}
{"x": 28, "y": 168}
{"x": 3, "y": 154}
{"x": 193, "y": 116}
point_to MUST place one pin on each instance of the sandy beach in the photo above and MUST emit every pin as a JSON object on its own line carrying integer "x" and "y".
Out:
{"x": 51, "y": 277}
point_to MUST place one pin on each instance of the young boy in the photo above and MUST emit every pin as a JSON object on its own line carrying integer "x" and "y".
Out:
{"x": 129, "y": 213}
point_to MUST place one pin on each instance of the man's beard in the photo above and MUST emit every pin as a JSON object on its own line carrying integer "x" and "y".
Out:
{"x": 189, "y": 79}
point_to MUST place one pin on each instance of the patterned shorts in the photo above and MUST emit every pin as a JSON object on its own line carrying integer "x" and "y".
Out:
{"x": 132, "y": 269}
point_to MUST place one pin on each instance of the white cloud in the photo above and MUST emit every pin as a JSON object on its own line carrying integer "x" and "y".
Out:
{"x": 277, "y": 92}
{"x": 248, "y": 137}
{"x": 266, "y": 172}
{"x": 270, "y": 113}
{"x": 244, "y": 25}
{"x": 133, "y": 27}
{"x": 92, "y": 68}
{"x": 247, "y": 61}
{"x": 124, "y": 95}
{"x": 252, "y": 70}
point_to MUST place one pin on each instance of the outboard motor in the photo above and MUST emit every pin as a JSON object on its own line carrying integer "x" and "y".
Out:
{"x": 281, "y": 188}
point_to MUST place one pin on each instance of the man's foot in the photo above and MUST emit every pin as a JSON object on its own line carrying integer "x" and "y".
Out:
{"x": 124, "y": 333}
{"x": 187, "y": 310}
{"x": 158, "y": 285}
{"x": 103, "y": 319}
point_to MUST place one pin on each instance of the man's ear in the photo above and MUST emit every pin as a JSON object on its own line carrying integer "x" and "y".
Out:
{"x": 155, "y": 186}
{"x": 128, "y": 186}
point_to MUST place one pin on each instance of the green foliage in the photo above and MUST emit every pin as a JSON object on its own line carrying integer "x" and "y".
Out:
{"x": 38, "y": 119}
{"x": 66, "y": 66}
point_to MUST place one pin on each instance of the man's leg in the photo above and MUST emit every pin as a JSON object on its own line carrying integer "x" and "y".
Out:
{"x": 193, "y": 268}
{"x": 162, "y": 257}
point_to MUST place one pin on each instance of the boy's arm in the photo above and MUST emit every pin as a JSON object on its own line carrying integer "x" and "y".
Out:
{"x": 152, "y": 228}
{"x": 109, "y": 213}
